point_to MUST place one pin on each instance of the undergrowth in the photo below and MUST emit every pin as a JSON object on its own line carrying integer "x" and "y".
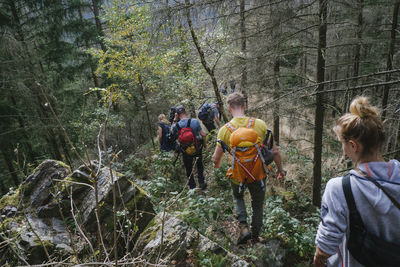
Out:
{"x": 288, "y": 216}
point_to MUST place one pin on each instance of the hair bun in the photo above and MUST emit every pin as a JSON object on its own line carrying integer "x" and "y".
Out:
{"x": 361, "y": 107}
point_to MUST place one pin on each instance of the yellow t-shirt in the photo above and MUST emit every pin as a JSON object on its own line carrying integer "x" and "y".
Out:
{"x": 259, "y": 126}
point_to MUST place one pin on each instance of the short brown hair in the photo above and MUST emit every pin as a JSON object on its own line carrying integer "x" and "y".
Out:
{"x": 362, "y": 124}
{"x": 236, "y": 99}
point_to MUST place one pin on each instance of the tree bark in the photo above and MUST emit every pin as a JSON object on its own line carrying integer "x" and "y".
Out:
{"x": 276, "y": 95}
{"x": 3, "y": 188}
{"x": 147, "y": 112}
{"x": 43, "y": 113}
{"x": 389, "y": 62}
{"x": 10, "y": 166}
{"x": 30, "y": 152}
{"x": 92, "y": 69}
{"x": 209, "y": 71}
{"x": 99, "y": 27}
{"x": 357, "y": 49}
{"x": 243, "y": 81}
{"x": 319, "y": 110}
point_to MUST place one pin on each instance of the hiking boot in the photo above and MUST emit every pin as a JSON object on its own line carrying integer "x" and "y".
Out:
{"x": 203, "y": 186}
{"x": 245, "y": 234}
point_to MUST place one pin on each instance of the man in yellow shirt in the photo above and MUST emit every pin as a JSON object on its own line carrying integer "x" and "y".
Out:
{"x": 236, "y": 106}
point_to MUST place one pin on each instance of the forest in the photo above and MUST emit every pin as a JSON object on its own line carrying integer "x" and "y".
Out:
{"x": 84, "y": 81}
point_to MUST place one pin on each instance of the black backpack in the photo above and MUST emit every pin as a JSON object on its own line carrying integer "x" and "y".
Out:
{"x": 206, "y": 113}
{"x": 267, "y": 151}
{"x": 367, "y": 248}
{"x": 169, "y": 139}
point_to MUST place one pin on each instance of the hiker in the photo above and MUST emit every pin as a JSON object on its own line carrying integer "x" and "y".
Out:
{"x": 208, "y": 114}
{"x": 190, "y": 135}
{"x": 164, "y": 129}
{"x": 223, "y": 89}
{"x": 232, "y": 84}
{"x": 370, "y": 191}
{"x": 239, "y": 173}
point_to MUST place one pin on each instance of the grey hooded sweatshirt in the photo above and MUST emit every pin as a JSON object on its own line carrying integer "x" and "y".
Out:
{"x": 380, "y": 216}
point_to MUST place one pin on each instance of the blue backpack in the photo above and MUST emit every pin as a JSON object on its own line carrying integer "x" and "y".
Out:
{"x": 206, "y": 113}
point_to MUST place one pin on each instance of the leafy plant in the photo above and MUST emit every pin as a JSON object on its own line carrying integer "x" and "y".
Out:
{"x": 297, "y": 235}
{"x": 211, "y": 259}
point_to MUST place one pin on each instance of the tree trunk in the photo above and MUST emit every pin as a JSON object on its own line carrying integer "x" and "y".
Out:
{"x": 30, "y": 152}
{"x": 334, "y": 95}
{"x": 389, "y": 62}
{"x": 99, "y": 27}
{"x": 41, "y": 101}
{"x": 147, "y": 112}
{"x": 357, "y": 49}
{"x": 10, "y": 166}
{"x": 204, "y": 62}
{"x": 3, "y": 188}
{"x": 276, "y": 96}
{"x": 92, "y": 69}
{"x": 319, "y": 110}
{"x": 243, "y": 81}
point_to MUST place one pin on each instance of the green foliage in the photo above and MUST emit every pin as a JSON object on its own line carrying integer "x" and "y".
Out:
{"x": 135, "y": 167}
{"x": 200, "y": 211}
{"x": 210, "y": 259}
{"x": 297, "y": 235}
{"x": 220, "y": 178}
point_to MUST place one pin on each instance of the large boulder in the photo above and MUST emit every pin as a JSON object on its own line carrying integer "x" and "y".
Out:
{"x": 53, "y": 213}
{"x": 169, "y": 240}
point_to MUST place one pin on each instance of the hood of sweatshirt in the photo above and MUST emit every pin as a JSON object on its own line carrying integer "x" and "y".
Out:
{"x": 386, "y": 174}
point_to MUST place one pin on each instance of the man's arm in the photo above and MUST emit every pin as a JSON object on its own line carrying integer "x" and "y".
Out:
{"x": 217, "y": 156}
{"x": 278, "y": 161}
{"x": 217, "y": 121}
{"x": 203, "y": 134}
{"x": 159, "y": 134}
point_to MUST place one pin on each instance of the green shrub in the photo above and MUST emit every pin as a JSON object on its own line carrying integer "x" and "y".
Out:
{"x": 211, "y": 260}
{"x": 297, "y": 235}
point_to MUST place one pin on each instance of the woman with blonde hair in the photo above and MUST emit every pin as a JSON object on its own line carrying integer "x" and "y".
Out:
{"x": 360, "y": 213}
{"x": 164, "y": 130}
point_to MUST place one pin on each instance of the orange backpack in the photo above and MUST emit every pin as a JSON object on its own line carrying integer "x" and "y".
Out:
{"x": 247, "y": 165}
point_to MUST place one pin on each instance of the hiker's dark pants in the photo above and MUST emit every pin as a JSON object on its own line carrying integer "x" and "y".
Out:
{"x": 257, "y": 202}
{"x": 210, "y": 126}
{"x": 188, "y": 162}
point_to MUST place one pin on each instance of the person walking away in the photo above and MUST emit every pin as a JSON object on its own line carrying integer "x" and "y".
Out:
{"x": 252, "y": 175}
{"x": 191, "y": 141}
{"x": 360, "y": 213}
{"x": 164, "y": 136}
{"x": 208, "y": 114}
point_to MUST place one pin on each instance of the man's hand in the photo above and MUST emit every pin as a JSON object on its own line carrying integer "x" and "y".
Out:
{"x": 280, "y": 174}
{"x": 217, "y": 157}
{"x": 320, "y": 258}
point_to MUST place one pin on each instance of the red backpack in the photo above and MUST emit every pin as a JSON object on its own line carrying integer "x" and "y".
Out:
{"x": 187, "y": 139}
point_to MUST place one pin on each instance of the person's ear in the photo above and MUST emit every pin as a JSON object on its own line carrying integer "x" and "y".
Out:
{"x": 354, "y": 145}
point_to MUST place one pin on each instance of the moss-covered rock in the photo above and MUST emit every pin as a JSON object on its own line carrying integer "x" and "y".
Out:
{"x": 38, "y": 214}
{"x": 173, "y": 240}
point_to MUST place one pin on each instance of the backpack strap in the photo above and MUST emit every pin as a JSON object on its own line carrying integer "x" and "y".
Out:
{"x": 379, "y": 185}
{"x": 355, "y": 218}
{"x": 180, "y": 128}
{"x": 230, "y": 127}
{"x": 251, "y": 122}
{"x": 268, "y": 140}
